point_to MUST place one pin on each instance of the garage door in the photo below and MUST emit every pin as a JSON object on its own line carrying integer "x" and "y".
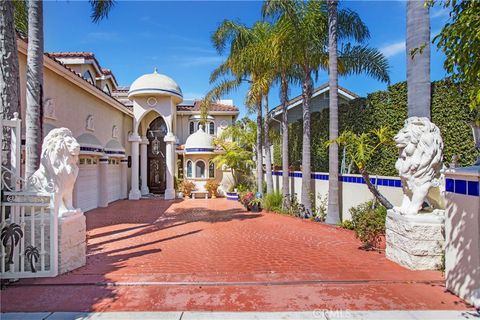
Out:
{"x": 87, "y": 184}
{"x": 114, "y": 180}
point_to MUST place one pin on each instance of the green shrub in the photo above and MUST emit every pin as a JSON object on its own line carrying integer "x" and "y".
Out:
{"x": 273, "y": 201}
{"x": 346, "y": 224}
{"x": 368, "y": 221}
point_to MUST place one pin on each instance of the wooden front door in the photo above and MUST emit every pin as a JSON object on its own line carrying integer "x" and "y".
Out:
{"x": 157, "y": 182}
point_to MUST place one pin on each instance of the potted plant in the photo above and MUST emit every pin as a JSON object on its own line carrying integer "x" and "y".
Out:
{"x": 186, "y": 187}
{"x": 247, "y": 197}
{"x": 256, "y": 205}
{"x": 211, "y": 186}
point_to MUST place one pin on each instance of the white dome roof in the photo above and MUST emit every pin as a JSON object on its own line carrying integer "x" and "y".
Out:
{"x": 199, "y": 142}
{"x": 156, "y": 84}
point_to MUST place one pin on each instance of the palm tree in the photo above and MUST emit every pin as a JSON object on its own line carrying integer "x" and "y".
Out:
{"x": 13, "y": 233}
{"x": 33, "y": 121}
{"x": 34, "y": 109}
{"x": 308, "y": 25}
{"x": 247, "y": 62}
{"x": 333, "y": 211}
{"x": 9, "y": 71}
{"x": 418, "y": 59}
{"x": 32, "y": 255}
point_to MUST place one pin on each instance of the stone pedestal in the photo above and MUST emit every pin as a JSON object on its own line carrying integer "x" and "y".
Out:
{"x": 72, "y": 245}
{"x": 415, "y": 241}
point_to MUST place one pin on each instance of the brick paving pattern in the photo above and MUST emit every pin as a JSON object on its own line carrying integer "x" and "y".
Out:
{"x": 212, "y": 255}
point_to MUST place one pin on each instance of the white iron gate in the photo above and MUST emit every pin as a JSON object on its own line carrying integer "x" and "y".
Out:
{"x": 28, "y": 223}
{"x": 29, "y": 239}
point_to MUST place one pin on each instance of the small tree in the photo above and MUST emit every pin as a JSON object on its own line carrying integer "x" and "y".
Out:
{"x": 238, "y": 145}
{"x": 360, "y": 148}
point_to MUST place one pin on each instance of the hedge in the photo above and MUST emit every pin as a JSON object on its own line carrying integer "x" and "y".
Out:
{"x": 450, "y": 112}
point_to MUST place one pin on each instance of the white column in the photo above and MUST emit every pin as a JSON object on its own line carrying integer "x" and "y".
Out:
{"x": 103, "y": 182}
{"x": 143, "y": 165}
{"x": 124, "y": 187}
{"x": 134, "y": 191}
{"x": 170, "y": 161}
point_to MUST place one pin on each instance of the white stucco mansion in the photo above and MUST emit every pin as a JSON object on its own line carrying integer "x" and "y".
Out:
{"x": 134, "y": 140}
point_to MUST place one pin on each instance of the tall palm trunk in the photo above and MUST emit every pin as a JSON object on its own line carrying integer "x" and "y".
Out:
{"x": 34, "y": 86}
{"x": 9, "y": 72}
{"x": 259, "y": 150}
{"x": 285, "y": 178}
{"x": 418, "y": 66}
{"x": 333, "y": 212}
{"x": 268, "y": 152}
{"x": 307, "y": 89}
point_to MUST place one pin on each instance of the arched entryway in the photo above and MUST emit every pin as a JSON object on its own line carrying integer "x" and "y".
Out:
{"x": 156, "y": 156}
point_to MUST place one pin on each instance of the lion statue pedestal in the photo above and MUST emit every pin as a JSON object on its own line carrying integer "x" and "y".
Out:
{"x": 415, "y": 231}
{"x": 57, "y": 174}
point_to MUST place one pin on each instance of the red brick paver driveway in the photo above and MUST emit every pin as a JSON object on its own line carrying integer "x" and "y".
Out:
{"x": 154, "y": 255}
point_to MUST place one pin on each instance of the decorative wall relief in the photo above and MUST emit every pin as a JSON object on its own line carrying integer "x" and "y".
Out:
{"x": 90, "y": 124}
{"x": 49, "y": 109}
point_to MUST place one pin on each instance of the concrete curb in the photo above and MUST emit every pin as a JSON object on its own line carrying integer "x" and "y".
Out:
{"x": 303, "y": 315}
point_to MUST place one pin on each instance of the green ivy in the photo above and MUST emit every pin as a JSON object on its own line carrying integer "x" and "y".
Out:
{"x": 450, "y": 112}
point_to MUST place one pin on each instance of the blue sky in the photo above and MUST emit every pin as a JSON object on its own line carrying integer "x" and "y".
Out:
{"x": 174, "y": 36}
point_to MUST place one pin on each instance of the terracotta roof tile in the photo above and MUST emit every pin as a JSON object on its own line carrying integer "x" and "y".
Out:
{"x": 213, "y": 107}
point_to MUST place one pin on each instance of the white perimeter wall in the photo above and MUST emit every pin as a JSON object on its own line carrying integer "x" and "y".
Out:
{"x": 353, "y": 190}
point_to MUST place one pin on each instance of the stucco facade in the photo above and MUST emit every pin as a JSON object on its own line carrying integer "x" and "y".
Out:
{"x": 113, "y": 127}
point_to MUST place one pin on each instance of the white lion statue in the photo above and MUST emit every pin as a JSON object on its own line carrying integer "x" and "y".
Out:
{"x": 419, "y": 165}
{"x": 58, "y": 169}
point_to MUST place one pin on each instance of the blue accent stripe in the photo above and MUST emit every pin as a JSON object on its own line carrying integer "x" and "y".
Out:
{"x": 91, "y": 149}
{"x": 200, "y": 149}
{"x": 460, "y": 186}
{"x": 156, "y": 89}
{"x": 114, "y": 152}
{"x": 396, "y": 183}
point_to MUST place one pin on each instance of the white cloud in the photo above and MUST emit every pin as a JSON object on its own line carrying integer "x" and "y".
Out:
{"x": 188, "y": 61}
{"x": 193, "y": 95}
{"x": 439, "y": 12}
{"x": 393, "y": 49}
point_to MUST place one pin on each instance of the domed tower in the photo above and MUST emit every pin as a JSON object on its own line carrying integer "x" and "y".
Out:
{"x": 155, "y": 98}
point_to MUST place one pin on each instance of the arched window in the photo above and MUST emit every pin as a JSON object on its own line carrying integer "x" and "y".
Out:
{"x": 211, "y": 170}
{"x": 189, "y": 169}
{"x": 192, "y": 127}
{"x": 199, "y": 169}
{"x": 88, "y": 76}
{"x": 211, "y": 128}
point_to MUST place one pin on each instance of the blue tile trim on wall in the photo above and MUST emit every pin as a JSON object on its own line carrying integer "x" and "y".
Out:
{"x": 200, "y": 149}
{"x": 317, "y": 176}
{"x": 114, "y": 152}
{"x": 465, "y": 187}
{"x": 91, "y": 149}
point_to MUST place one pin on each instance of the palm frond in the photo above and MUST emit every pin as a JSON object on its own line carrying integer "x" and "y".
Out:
{"x": 358, "y": 59}
{"x": 100, "y": 9}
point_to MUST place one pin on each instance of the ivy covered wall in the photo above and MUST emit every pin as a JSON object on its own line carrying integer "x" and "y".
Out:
{"x": 450, "y": 112}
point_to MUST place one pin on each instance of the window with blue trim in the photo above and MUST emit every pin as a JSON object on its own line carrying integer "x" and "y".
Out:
{"x": 192, "y": 127}
{"x": 199, "y": 169}
{"x": 211, "y": 128}
{"x": 189, "y": 169}
{"x": 211, "y": 170}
